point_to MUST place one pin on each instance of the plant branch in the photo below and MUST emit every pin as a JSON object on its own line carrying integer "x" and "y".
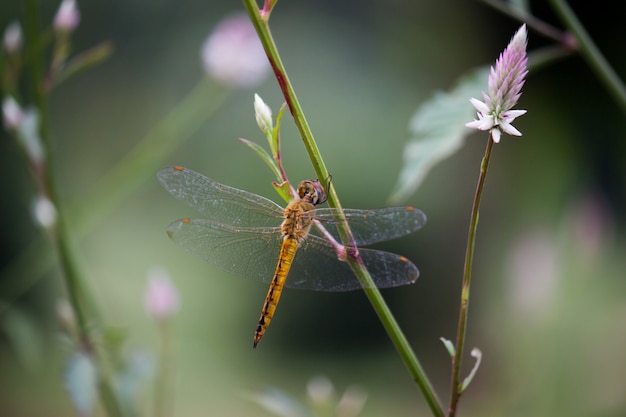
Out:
{"x": 399, "y": 340}
{"x": 45, "y": 178}
{"x": 456, "y": 389}
{"x": 591, "y": 53}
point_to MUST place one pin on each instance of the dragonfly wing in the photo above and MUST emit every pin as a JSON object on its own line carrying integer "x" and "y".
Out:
{"x": 376, "y": 225}
{"x": 248, "y": 252}
{"x": 317, "y": 267}
{"x": 218, "y": 202}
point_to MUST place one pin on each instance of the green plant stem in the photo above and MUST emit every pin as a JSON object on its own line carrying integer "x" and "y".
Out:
{"x": 378, "y": 304}
{"x": 591, "y": 53}
{"x": 465, "y": 290}
{"x": 531, "y": 21}
{"x": 164, "y": 390}
{"x": 46, "y": 181}
{"x": 119, "y": 183}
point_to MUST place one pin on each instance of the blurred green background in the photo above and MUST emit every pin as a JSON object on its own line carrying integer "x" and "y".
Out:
{"x": 548, "y": 305}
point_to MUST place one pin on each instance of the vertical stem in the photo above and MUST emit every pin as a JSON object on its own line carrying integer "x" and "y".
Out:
{"x": 591, "y": 53}
{"x": 396, "y": 335}
{"x": 465, "y": 290}
{"x": 164, "y": 392}
{"x": 44, "y": 175}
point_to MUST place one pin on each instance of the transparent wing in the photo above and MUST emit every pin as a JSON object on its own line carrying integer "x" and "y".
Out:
{"x": 316, "y": 267}
{"x": 228, "y": 205}
{"x": 372, "y": 226}
{"x": 217, "y": 202}
{"x": 253, "y": 253}
{"x": 247, "y": 252}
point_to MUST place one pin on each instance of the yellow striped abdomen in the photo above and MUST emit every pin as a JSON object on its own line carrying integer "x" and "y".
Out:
{"x": 287, "y": 253}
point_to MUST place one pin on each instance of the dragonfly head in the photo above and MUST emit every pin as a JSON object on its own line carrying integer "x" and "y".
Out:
{"x": 312, "y": 192}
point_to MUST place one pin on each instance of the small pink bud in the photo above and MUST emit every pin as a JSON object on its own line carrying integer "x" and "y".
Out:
{"x": 534, "y": 269}
{"x": 11, "y": 113}
{"x": 13, "y": 38}
{"x": 161, "y": 297}
{"x": 67, "y": 17}
{"x": 44, "y": 212}
{"x": 233, "y": 55}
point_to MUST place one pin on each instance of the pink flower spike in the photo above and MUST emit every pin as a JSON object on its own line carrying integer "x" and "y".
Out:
{"x": 506, "y": 79}
{"x": 161, "y": 297}
{"x": 67, "y": 17}
{"x": 233, "y": 54}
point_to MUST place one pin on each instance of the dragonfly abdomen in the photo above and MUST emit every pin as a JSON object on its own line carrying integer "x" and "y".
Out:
{"x": 287, "y": 253}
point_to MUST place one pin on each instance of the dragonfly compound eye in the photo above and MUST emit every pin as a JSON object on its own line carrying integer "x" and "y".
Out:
{"x": 311, "y": 192}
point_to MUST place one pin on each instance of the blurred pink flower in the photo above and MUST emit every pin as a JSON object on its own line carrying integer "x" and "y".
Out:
{"x": 13, "y": 38}
{"x": 592, "y": 224}
{"x": 67, "y": 17}
{"x": 161, "y": 297}
{"x": 11, "y": 113}
{"x": 505, "y": 84}
{"x": 44, "y": 212}
{"x": 534, "y": 268}
{"x": 233, "y": 54}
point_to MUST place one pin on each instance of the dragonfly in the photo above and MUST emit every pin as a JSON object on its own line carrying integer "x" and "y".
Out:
{"x": 296, "y": 246}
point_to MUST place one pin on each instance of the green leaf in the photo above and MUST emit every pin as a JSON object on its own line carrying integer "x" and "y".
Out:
{"x": 476, "y": 353}
{"x": 438, "y": 131}
{"x": 81, "y": 380}
{"x": 284, "y": 191}
{"x": 84, "y": 61}
{"x": 275, "y": 142}
{"x": 262, "y": 153}
{"x": 449, "y": 346}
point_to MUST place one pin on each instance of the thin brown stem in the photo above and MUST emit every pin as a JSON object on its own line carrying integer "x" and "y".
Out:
{"x": 456, "y": 391}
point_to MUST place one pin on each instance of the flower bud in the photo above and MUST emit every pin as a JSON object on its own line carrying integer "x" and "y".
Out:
{"x": 67, "y": 17}
{"x": 44, "y": 212}
{"x": 11, "y": 113}
{"x": 161, "y": 297}
{"x": 263, "y": 114}
{"x": 13, "y": 38}
{"x": 495, "y": 113}
{"x": 28, "y": 135}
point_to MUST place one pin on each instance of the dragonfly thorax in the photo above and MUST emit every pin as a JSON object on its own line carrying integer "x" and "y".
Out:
{"x": 298, "y": 220}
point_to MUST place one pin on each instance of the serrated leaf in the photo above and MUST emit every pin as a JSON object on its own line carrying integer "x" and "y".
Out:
{"x": 438, "y": 131}
{"x": 262, "y": 153}
{"x": 81, "y": 379}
